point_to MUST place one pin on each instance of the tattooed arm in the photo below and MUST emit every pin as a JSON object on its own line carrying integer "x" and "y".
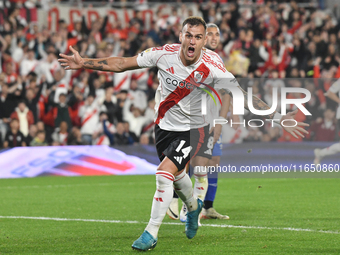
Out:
{"x": 258, "y": 104}
{"x": 226, "y": 98}
{"x": 111, "y": 64}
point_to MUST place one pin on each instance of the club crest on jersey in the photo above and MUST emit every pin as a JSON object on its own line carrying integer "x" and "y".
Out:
{"x": 198, "y": 76}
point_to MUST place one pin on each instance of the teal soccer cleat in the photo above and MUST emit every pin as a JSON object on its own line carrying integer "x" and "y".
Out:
{"x": 191, "y": 225}
{"x": 145, "y": 242}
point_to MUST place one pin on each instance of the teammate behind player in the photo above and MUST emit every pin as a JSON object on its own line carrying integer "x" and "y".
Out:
{"x": 209, "y": 212}
{"x": 180, "y": 128}
{"x": 335, "y": 148}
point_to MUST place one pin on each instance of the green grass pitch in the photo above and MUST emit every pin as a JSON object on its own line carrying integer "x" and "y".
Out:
{"x": 310, "y": 206}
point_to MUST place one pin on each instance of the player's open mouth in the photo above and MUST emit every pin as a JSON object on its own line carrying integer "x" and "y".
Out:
{"x": 191, "y": 51}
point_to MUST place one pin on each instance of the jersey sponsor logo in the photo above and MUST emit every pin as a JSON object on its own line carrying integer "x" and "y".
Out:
{"x": 181, "y": 84}
{"x": 190, "y": 85}
{"x": 179, "y": 92}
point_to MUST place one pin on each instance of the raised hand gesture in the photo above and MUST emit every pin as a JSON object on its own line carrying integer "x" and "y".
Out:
{"x": 294, "y": 131}
{"x": 73, "y": 62}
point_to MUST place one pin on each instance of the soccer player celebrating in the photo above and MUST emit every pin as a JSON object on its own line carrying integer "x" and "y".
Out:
{"x": 185, "y": 71}
{"x": 335, "y": 148}
{"x": 206, "y": 189}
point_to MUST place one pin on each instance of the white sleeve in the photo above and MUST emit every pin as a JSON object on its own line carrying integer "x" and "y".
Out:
{"x": 335, "y": 88}
{"x": 149, "y": 57}
{"x": 224, "y": 79}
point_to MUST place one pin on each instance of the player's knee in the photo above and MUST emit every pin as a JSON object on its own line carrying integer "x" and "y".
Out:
{"x": 164, "y": 178}
{"x": 168, "y": 165}
{"x": 180, "y": 175}
{"x": 214, "y": 161}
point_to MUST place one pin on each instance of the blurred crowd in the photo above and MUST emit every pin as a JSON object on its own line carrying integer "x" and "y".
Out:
{"x": 264, "y": 44}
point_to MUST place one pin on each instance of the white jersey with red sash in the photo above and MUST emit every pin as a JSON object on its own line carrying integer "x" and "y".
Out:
{"x": 181, "y": 88}
{"x": 141, "y": 76}
{"x": 61, "y": 138}
{"x": 27, "y": 66}
{"x": 122, "y": 81}
{"x": 89, "y": 115}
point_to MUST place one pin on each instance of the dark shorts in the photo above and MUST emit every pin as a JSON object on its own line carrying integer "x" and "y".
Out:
{"x": 180, "y": 147}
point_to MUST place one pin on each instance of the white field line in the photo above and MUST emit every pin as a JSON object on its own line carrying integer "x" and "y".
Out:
{"x": 172, "y": 223}
{"x": 72, "y": 185}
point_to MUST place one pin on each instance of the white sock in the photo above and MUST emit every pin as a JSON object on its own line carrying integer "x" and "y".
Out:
{"x": 201, "y": 183}
{"x": 183, "y": 187}
{"x": 161, "y": 201}
{"x": 333, "y": 149}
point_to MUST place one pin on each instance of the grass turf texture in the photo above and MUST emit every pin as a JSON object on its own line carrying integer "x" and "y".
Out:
{"x": 278, "y": 203}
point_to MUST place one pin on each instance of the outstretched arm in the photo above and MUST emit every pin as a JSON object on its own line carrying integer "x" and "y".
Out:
{"x": 289, "y": 118}
{"x": 258, "y": 104}
{"x": 111, "y": 64}
{"x": 226, "y": 98}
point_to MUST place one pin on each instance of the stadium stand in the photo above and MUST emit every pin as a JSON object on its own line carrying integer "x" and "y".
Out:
{"x": 264, "y": 44}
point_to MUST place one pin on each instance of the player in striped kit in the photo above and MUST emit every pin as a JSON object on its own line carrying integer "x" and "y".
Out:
{"x": 181, "y": 131}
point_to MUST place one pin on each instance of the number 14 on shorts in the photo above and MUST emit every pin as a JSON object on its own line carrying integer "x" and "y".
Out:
{"x": 186, "y": 151}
